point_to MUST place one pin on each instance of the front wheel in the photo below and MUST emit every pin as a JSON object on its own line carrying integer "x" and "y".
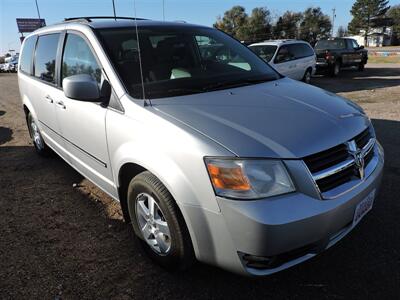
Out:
{"x": 307, "y": 76}
{"x": 361, "y": 67}
{"x": 158, "y": 223}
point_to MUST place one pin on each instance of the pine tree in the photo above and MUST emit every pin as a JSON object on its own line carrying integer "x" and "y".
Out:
{"x": 315, "y": 25}
{"x": 364, "y": 12}
{"x": 287, "y": 26}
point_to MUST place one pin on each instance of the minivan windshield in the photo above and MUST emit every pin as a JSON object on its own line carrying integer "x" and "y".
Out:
{"x": 266, "y": 52}
{"x": 180, "y": 60}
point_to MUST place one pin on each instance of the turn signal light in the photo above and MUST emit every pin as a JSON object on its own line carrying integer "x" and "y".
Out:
{"x": 228, "y": 178}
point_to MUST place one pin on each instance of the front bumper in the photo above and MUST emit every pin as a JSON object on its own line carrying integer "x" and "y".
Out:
{"x": 281, "y": 231}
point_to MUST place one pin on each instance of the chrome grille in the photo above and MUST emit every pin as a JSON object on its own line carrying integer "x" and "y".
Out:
{"x": 341, "y": 165}
{"x": 327, "y": 158}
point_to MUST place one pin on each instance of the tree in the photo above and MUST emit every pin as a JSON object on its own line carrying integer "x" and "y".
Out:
{"x": 364, "y": 12}
{"x": 342, "y": 32}
{"x": 315, "y": 25}
{"x": 259, "y": 24}
{"x": 234, "y": 22}
{"x": 394, "y": 14}
{"x": 237, "y": 23}
{"x": 287, "y": 26}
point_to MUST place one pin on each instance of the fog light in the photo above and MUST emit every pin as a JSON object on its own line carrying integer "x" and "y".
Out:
{"x": 257, "y": 262}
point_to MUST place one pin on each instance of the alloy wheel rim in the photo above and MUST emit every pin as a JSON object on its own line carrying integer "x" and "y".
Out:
{"x": 336, "y": 69}
{"x": 308, "y": 77}
{"x": 37, "y": 138}
{"x": 152, "y": 224}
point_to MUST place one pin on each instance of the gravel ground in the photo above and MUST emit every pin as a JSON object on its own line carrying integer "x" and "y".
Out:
{"x": 63, "y": 242}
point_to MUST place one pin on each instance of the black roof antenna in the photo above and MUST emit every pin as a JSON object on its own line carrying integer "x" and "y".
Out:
{"x": 140, "y": 57}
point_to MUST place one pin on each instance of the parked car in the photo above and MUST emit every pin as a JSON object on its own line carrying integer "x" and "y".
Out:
{"x": 11, "y": 67}
{"x": 5, "y": 67}
{"x": 335, "y": 53}
{"x": 212, "y": 154}
{"x": 292, "y": 58}
{"x": 15, "y": 67}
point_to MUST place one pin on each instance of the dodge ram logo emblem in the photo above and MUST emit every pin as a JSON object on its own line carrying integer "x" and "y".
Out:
{"x": 358, "y": 157}
{"x": 359, "y": 162}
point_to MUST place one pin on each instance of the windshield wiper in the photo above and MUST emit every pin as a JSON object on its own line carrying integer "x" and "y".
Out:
{"x": 172, "y": 92}
{"x": 237, "y": 83}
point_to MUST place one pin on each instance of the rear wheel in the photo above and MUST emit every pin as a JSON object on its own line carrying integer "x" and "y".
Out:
{"x": 37, "y": 139}
{"x": 335, "y": 69}
{"x": 158, "y": 223}
{"x": 307, "y": 76}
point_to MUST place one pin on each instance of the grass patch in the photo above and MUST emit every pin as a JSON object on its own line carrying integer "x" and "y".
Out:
{"x": 394, "y": 59}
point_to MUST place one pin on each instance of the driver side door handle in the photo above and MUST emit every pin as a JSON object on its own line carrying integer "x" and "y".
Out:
{"x": 49, "y": 99}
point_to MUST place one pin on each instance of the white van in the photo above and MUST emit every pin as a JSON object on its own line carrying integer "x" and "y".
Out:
{"x": 292, "y": 58}
{"x": 212, "y": 154}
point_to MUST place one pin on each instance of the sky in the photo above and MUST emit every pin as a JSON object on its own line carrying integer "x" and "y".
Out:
{"x": 202, "y": 12}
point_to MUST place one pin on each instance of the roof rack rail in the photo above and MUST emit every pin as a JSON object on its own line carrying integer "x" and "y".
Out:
{"x": 89, "y": 19}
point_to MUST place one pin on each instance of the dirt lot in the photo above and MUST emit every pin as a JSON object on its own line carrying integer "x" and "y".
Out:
{"x": 63, "y": 242}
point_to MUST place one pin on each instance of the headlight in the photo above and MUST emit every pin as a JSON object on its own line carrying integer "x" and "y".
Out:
{"x": 248, "y": 178}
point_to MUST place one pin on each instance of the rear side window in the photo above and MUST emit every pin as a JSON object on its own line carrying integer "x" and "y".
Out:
{"x": 284, "y": 55}
{"x": 26, "y": 57}
{"x": 45, "y": 57}
{"x": 331, "y": 44}
{"x": 301, "y": 50}
{"x": 79, "y": 59}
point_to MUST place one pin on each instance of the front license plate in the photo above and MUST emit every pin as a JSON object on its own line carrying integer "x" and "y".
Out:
{"x": 364, "y": 207}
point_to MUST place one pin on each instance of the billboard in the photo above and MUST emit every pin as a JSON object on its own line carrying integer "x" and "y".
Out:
{"x": 29, "y": 25}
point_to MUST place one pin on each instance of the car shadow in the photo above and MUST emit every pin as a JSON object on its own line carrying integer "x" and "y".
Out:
{"x": 5, "y": 135}
{"x": 350, "y": 79}
{"x": 71, "y": 239}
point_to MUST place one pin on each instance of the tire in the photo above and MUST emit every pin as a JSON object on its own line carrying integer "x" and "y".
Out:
{"x": 172, "y": 249}
{"x": 307, "y": 76}
{"x": 37, "y": 139}
{"x": 361, "y": 67}
{"x": 335, "y": 69}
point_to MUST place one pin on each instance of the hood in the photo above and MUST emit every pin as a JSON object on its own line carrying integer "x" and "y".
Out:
{"x": 278, "y": 119}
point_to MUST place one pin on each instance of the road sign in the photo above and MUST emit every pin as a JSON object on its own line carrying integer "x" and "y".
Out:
{"x": 29, "y": 25}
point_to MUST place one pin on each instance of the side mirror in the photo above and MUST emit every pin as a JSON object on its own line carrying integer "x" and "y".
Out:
{"x": 361, "y": 47}
{"x": 81, "y": 87}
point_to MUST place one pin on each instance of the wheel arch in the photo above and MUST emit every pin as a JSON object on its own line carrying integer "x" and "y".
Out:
{"x": 28, "y": 108}
{"x": 125, "y": 174}
{"x": 129, "y": 170}
{"x": 26, "y": 111}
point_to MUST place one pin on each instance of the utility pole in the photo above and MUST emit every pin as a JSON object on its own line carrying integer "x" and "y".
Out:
{"x": 37, "y": 8}
{"x": 163, "y": 9}
{"x": 333, "y": 20}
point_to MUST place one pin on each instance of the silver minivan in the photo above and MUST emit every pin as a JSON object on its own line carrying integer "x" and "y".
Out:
{"x": 292, "y": 58}
{"x": 212, "y": 154}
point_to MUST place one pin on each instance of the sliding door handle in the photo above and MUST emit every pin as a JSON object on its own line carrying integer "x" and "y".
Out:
{"x": 61, "y": 104}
